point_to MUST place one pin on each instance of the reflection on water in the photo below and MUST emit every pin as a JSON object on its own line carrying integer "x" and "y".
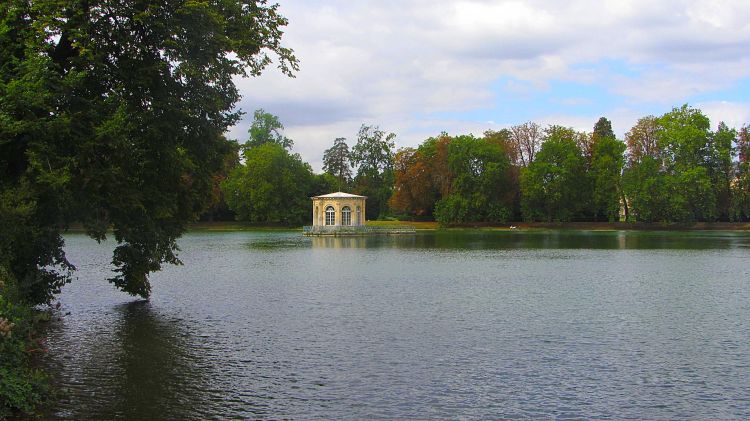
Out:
{"x": 131, "y": 363}
{"x": 450, "y": 324}
{"x": 538, "y": 239}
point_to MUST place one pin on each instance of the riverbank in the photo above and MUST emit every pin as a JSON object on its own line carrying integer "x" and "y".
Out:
{"x": 432, "y": 225}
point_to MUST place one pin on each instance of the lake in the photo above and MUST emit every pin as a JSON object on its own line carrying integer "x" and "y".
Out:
{"x": 449, "y": 324}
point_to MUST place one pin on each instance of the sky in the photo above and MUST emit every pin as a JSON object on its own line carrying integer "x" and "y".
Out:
{"x": 420, "y": 67}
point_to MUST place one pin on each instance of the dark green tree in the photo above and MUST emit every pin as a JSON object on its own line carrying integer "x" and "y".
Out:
{"x": 740, "y": 201}
{"x": 272, "y": 186}
{"x": 721, "y": 168}
{"x": 483, "y": 187}
{"x": 555, "y": 187}
{"x": 372, "y": 155}
{"x": 112, "y": 114}
{"x": 337, "y": 162}
{"x": 603, "y": 129}
{"x": 606, "y": 174}
{"x": 266, "y": 128}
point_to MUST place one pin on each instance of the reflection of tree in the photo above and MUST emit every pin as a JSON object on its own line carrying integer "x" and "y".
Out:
{"x": 161, "y": 378}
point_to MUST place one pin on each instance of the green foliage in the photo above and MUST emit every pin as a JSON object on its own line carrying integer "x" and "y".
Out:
{"x": 603, "y": 129}
{"x": 606, "y": 170}
{"x": 21, "y": 387}
{"x": 681, "y": 182}
{"x": 721, "y": 168}
{"x": 112, "y": 115}
{"x": 337, "y": 162}
{"x": 740, "y": 201}
{"x": 266, "y": 128}
{"x": 483, "y": 186}
{"x": 272, "y": 186}
{"x": 555, "y": 186}
{"x": 372, "y": 155}
{"x": 648, "y": 191}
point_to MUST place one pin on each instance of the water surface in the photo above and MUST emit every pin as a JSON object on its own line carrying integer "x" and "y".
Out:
{"x": 456, "y": 324}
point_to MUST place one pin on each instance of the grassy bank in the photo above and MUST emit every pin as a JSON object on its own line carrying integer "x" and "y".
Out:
{"x": 432, "y": 225}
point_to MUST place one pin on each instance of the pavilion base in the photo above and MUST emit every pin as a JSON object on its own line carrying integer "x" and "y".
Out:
{"x": 341, "y": 230}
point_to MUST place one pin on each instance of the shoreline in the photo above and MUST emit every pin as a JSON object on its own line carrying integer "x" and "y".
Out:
{"x": 228, "y": 226}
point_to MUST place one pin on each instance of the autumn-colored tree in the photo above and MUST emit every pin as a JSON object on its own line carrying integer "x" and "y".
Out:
{"x": 642, "y": 139}
{"x": 413, "y": 191}
{"x": 526, "y": 139}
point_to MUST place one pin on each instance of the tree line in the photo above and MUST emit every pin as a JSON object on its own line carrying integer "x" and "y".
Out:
{"x": 671, "y": 168}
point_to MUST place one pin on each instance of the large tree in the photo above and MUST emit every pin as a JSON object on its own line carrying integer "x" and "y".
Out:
{"x": 526, "y": 139}
{"x": 112, "y": 115}
{"x": 372, "y": 155}
{"x": 483, "y": 186}
{"x": 555, "y": 187}
{"x": 266, "y": 128}
{"x": 337, "y": 162}
{"x": 272, "y": 186}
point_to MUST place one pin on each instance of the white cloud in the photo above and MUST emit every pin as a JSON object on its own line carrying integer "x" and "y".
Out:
{"x": 419, "y": 67}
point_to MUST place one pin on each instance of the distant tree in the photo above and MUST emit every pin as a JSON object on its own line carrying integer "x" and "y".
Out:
{"x": 642, "y": 139}
{"x": 272, "y": 186}
{"x": 372, "y": 155}
{"x": 483, "y": 186}
{"x": 414, "y": 193}
{"x": 526, "y": 139}
{"x": 337, "y": 162}
{"x": 740, "y": 201}
{"x": 607, "y": 163}
{"x": 721, "y": 168}
{"x": 554, "y": 187}
{"x": 266, "y": 128}
{"x": 218, "y": 210}
{"x": 649, "y": 191}
{"x": 669, "y": 177}
{"x": 603, "y": 129}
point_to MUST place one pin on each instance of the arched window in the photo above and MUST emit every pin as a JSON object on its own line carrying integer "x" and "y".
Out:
{"x": 359, "y": 215}
{"x": 346, "y": 215}
{"x": 330, "y": 216}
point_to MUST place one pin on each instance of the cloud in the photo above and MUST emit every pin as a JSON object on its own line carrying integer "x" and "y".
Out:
{"x": 420, "y": 67}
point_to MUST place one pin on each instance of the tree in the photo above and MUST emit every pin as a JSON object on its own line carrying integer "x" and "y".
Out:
{"x": 272, "y": 186}
{"x": 669, "y": 176}
{"x": 721, "y": 168}
{"x": 372, "y": 155}
{"x": 554, "y": 187}
{"x": 526, "y": 139}
{"x": 684, "y": 139}
{"x": 483, "y": 186}
{"x": 642, "y": 139}
{"x": 603, "y": 129}
{"x": 337, "y": 162}
{"x": 740, "y": 201}
{"x": 112, "y": 114}
{"x": 413, "y": 191}
{"x": 218, "y": 210}
{"x": 266, "y": 128}
{"x": 606, "y": 171}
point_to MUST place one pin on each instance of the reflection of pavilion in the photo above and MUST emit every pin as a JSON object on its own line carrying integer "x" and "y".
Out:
{"x": 331, "y": 242}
